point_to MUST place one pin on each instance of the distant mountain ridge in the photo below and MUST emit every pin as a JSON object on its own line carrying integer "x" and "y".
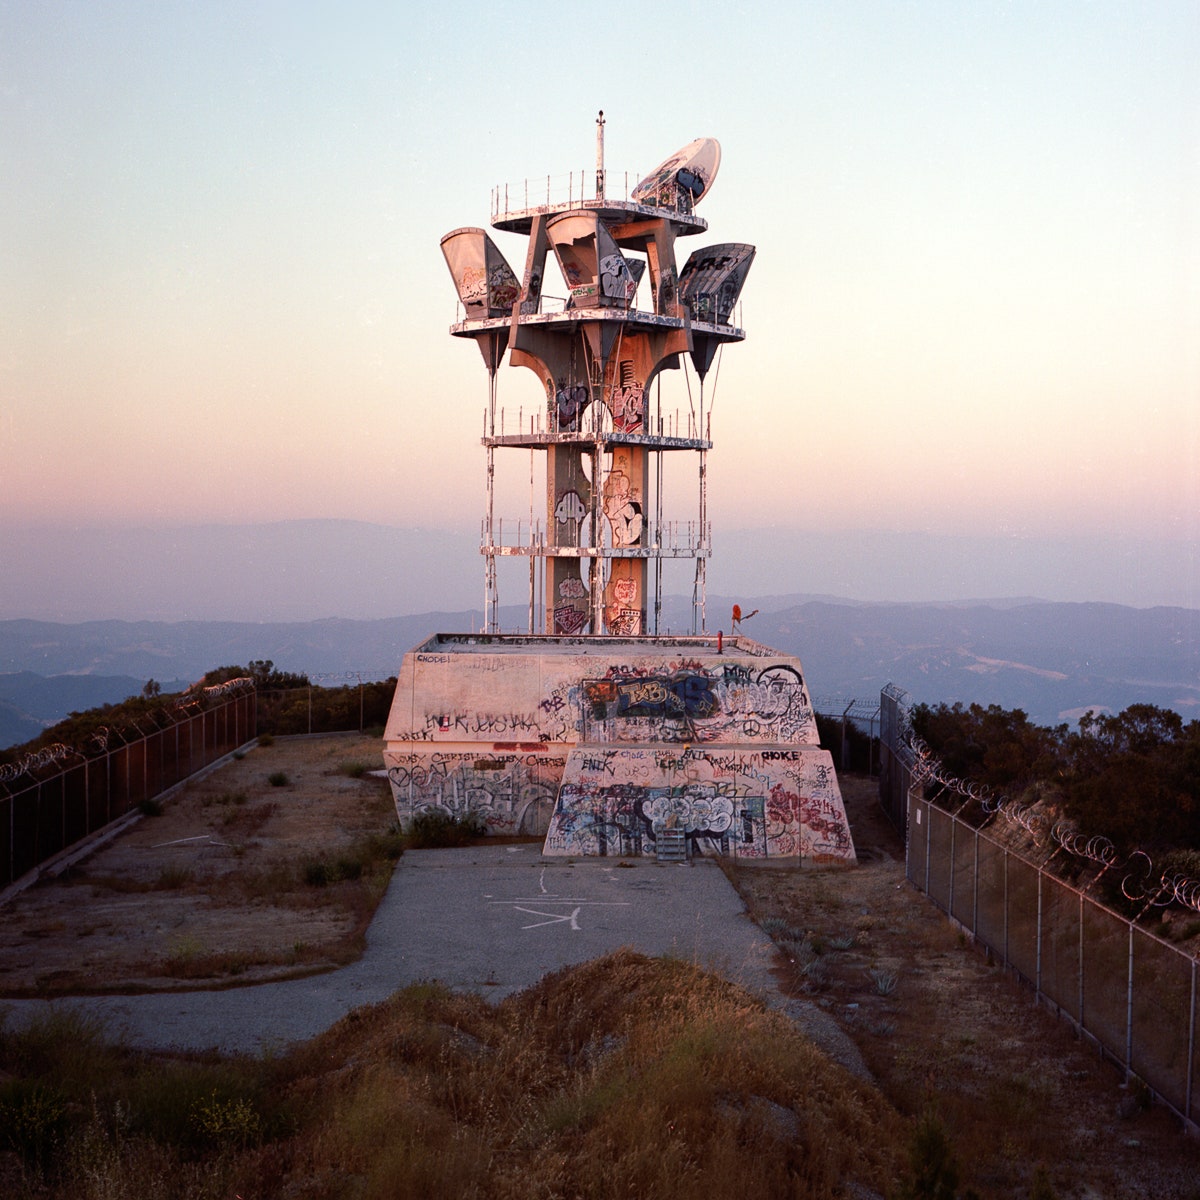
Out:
{"x": 29, "y": 702}
{"x": 306, "y": 569}
{"x": 1053, "y": 660}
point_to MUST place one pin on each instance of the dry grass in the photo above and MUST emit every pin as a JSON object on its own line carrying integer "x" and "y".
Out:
{"x": 621, "y": 1078}
{"x": 624, "y": 1077}
{"x": 249, "y": 882}
{"x": 943, "y": 1030}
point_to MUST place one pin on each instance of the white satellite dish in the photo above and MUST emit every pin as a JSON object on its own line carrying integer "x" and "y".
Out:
{"x": 687, "y": 174}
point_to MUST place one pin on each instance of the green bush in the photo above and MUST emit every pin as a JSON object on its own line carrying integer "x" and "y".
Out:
{"x": 932, "y": 1169}
{"x": 314, "y": 872}
{"x": 226, "y": 1122}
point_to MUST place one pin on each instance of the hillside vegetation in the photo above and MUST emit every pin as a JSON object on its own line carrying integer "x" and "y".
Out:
{"x": 288, "y": 703}
{"x": 1133, "y": 778}
{"x": 623, "y": 1077}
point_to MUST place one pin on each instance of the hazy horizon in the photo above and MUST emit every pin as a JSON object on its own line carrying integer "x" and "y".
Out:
{"x": 973, "y": 320}
{"x": 314, "y": 569}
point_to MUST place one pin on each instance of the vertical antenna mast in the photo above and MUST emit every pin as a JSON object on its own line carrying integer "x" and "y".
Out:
{"x": 600, "y": 156}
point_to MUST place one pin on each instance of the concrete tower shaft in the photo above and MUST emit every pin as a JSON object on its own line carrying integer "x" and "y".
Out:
{"x": 602, "y": 536}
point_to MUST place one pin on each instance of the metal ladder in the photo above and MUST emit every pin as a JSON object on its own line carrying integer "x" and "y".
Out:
{"x": 670, "y": 845}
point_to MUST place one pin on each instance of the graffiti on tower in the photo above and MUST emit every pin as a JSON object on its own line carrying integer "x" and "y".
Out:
{"x": 594, "y": 729}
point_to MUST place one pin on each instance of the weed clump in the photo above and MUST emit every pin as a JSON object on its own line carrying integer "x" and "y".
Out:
{"x": 32, "y": 1119}
{"x": 932, "y": 1168}
{"x": 435, "y": 829}
{"x": 373, "y": 854}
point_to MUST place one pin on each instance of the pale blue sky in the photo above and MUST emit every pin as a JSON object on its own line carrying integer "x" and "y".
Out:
{"x": 975, "y": 309}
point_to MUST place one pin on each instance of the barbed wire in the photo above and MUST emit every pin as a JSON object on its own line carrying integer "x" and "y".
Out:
{"x": 231, "y": 686}
{"x": 174, "y": 713}
{"x": 168, "y": 712}
{"x": 925, "y": 766}
{"x": 35, "y": 760}
{"x": 364, "y": 676}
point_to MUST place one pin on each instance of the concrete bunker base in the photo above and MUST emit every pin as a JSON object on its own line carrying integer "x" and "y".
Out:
{"x": 743, "y": 801}
{"x": 600, "y": 743}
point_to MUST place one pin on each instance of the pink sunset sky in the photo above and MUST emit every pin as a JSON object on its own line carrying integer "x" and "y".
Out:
{"x": 974, "y": 313}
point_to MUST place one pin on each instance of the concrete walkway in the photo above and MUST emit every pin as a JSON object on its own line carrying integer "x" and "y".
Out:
{"x": 488, "y": 919}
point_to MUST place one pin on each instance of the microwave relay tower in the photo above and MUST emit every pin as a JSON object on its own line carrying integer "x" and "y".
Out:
{"x": 598, "y": 337}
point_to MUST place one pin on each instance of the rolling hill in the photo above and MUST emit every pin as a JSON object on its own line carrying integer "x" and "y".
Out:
{"x": 1052, "y": 660}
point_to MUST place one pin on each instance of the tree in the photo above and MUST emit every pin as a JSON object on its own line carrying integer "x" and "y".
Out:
{"x": 995, "y": 746}
{"x": 1135, "y": 778}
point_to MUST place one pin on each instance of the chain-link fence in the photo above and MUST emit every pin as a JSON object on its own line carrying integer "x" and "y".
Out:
{"x": 46, "y": 808}
{"x": 1132, "y": 993}
{"x": 895, "y": 776}
{"x": 1129, "y": 991}
{"x": 362, "y": 705}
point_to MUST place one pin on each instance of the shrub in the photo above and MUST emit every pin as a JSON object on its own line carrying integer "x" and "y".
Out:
{"x": 151, "y": 808}
{"x": 314, "y": 872}
{"x": 226, "y": 1122}
{"x": 32, "y": 1119}
{"x": 278, "y": 779}
{"x": 366, "y": 856}
{"x": 932, "y": 1170}
{"x": 1042, "y": 1189}
{"x": 172, "y": 877}
{"x": 885, "y": 982}
{"x": 435, "y": 829}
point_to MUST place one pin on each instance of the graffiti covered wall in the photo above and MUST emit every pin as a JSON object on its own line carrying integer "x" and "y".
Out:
{"x": 595, "y": 740}
{"x": 731, "y": 801}
{"x": 512, "y": 788}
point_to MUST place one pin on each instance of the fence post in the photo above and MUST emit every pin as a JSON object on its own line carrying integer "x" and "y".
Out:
{"x": 975, "y": 892}
{"x": 1129, "y": 1009}
{"x": 1006, "y": 906}
{"x": 1081, "y": 1024}
{"x": 1191, "y": 1053}
{"x": 950, "y": 902}
{"x": 928, "y": 840}
{"x": 1037, "y": 983}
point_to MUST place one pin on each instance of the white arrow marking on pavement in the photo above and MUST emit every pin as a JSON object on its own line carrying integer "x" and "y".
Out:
{"x": 555, "y": 918}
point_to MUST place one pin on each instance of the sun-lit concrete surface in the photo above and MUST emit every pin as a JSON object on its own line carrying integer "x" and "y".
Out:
{"x": 487, "y": 919}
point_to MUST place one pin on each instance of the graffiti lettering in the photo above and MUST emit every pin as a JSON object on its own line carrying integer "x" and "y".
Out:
{"x": 569, "y": 620}
{"x": 569, "y": 508}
